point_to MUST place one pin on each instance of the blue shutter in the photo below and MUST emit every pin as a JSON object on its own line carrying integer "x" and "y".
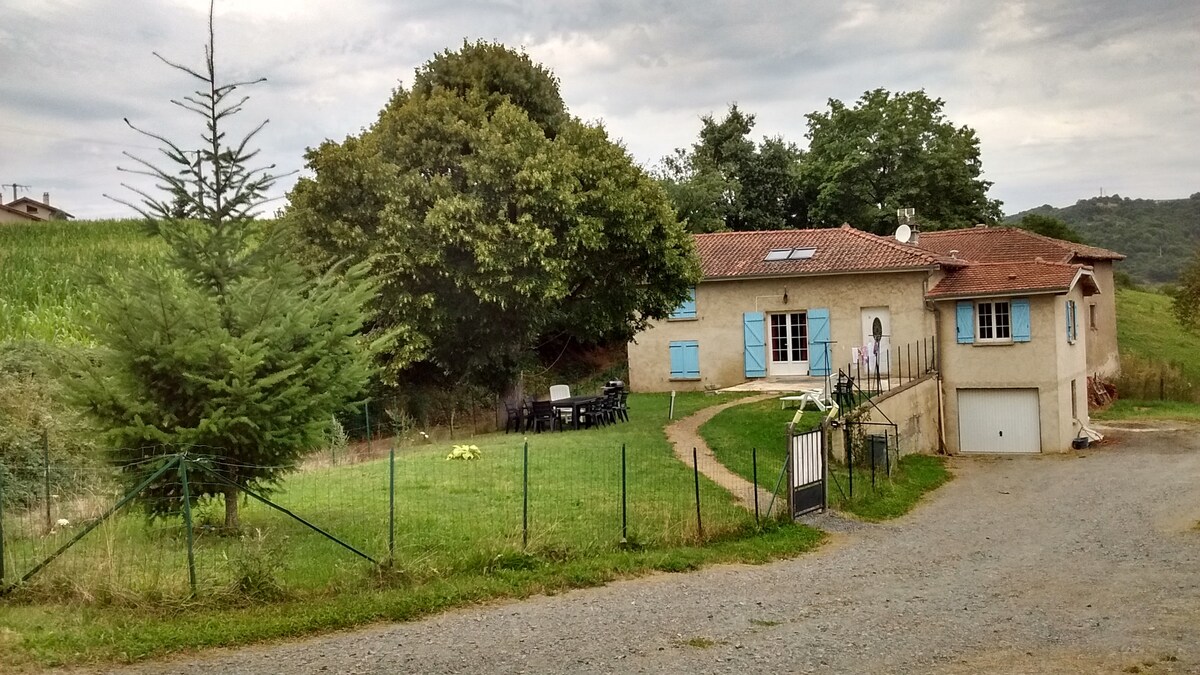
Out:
{"x": 691, "y": 360}
{"x": 1070, "y": 312}
{"x": 687, "y": 310}
{"x": 965, "y": 322}
{"x": 818, "y": 342}
{"x": 676, "y": 350}
{"x": 1020, "y": 320}
{"x": 755, "y": 345}
{"x": 685, "y": 360}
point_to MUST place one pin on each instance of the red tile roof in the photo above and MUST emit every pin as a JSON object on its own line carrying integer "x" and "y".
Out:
{"x": 1009, "y": 244}
{"x": 844, "y": 249}
{"x": 1011, "y": 278}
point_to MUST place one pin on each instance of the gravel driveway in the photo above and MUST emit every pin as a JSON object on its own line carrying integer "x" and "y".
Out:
{"x": 1081, "y": 563}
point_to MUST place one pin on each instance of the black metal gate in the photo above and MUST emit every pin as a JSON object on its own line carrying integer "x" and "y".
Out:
{"x": 807, "y": 471}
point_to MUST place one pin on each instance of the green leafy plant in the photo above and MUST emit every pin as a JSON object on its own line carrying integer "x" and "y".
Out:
{"x": 465, "y": 452}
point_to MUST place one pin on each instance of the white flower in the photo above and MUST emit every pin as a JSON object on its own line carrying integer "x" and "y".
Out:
{"x": 62, "y": 522}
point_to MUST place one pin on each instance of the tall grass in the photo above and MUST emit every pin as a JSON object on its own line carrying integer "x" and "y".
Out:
{"x": 1159, "y": 359}
{"x": 47, "y": 272}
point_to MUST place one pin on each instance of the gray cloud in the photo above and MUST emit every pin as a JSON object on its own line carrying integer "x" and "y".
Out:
{"x": 1067, "y": 97}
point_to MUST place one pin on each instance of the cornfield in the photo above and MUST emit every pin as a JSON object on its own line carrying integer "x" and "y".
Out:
{"x": 47, "y": 273}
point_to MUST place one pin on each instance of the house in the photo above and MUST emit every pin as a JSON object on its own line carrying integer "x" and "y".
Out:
{"x": 31, "y": 210}
{"x": 1011, "y": 327}
{"x": 1010, "y": 244}
{"x": 10, "y": 214}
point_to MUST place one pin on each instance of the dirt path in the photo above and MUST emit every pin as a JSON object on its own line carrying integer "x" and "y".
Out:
{"x": 684, "y": 435}
{"x": 1081, "y": 563}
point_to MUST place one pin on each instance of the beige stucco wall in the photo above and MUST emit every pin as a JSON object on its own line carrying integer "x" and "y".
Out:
{"x": 718, "y": 327}
{"x": 10, "y": 217}
{"x": 1047, "y": 362}
{"x": 913, "y": 408}
{"x": 1102, "y": 355}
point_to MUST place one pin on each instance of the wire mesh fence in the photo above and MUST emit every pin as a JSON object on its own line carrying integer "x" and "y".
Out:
{"x": 346, "y": 515}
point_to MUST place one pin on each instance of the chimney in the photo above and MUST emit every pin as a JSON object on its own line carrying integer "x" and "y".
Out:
{"x": 46, "y": 198}
{"x": 914, "y": 238}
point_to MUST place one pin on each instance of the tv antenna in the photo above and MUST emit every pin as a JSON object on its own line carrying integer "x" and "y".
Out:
{"x": 906, "y": 215}
{"x": 14, "y": 186}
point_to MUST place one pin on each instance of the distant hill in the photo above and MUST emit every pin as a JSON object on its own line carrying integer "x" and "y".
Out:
{"x": 1158, "y": 235}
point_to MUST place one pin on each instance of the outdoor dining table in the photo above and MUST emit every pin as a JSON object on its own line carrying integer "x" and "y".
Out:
{"x": 575, "y": 403}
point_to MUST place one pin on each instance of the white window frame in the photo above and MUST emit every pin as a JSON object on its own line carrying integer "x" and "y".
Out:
{"x": 992, "y": 325}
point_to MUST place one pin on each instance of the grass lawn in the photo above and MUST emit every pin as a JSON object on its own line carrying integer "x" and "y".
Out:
{"x": 121, "y": 594}
{"x": 1147, "y": 329}
{"x": 1130, "y": 409}
{"x": 732, "y": 433}
{"x": 1159, "y": 359}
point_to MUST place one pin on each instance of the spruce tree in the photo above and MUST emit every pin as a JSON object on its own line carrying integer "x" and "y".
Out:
{"x": 228, "y": 350}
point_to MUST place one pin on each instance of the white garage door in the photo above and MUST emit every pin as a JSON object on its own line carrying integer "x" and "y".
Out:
{"x": 999, "y": 420}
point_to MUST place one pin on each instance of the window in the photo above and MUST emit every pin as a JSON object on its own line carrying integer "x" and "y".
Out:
{"x": 687, "y": 309}
{"x": 789, "y": 254}
{"x": 1074, "y": 402}
{"x": 1092, "y": 316}
{"x": 1072, "y": 326}
{"x": 993, "y": 321}
{"x": 789, "y": 338}
{"x": 685, "y": 360}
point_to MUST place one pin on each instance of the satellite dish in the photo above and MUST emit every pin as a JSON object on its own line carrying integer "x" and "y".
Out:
{"x": 903, "y": 234}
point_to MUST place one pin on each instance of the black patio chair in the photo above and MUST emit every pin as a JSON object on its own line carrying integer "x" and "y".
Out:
{"x": 591, "y": 414}
{"x": 623, "y": 405}
{"x": 516, "y": 416}
{"x": 608, "y": 406}
{"x": 544, "y": 415}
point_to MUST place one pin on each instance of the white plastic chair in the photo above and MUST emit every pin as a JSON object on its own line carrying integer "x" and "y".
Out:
{"x": 557, "y": 393}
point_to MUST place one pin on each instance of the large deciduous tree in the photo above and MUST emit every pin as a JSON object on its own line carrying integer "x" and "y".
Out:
{"x": 1049, "y": 226}
{"x": 726, "y": 182}
{"x": 494, "y": 219}
{"x": 1186, "y": 302}
{"x": 891, "y": 151}
{"x": 228, "y": 350}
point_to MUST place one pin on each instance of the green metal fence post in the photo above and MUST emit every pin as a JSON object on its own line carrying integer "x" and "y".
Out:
{"x": 96, "y": 523}
{"x": 187, "y": 522}
{"x": 849, "y": 456}
{"x": 696, "y": 471}
{"x": 754, "y": 461}
{"x": 392, "y": 505}
{"x": 367, "y": 416}
{"x": 525, "y": 499}
{"x": 1, "y": 529}
{"x": 624, "y": 501}
{"x": 46, "y": 474}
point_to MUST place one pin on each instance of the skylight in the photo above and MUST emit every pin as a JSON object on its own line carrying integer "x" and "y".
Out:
{"x": 790, "y": 254}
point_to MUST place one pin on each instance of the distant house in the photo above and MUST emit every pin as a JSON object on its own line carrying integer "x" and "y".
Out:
{"x": 25, "y": 210}
{"x": 1019, "y": 322}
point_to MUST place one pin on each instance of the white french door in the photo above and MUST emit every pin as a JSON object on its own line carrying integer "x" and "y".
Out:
{"x": 788, "y": 347}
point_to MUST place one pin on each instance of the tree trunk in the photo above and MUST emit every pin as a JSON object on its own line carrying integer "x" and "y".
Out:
{"x": 231, "y": 509}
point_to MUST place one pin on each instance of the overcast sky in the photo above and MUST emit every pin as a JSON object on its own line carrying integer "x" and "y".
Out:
{"x": 1068, "y": 98}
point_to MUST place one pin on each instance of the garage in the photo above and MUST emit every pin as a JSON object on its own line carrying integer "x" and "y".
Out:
{"x": 999, "y": 420}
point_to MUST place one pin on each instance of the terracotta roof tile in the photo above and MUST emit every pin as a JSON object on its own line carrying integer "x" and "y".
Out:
{"x": 837, "y": 250}
{"x": 1009, "y": 244}
{"x": 1009, "y": 278}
